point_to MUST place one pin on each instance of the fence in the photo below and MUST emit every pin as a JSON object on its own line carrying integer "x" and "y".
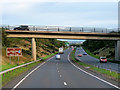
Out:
{"x": 66, "y": 29}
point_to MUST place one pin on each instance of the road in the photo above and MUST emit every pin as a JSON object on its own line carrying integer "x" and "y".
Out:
{"x": 93, "y": 61}
{"x": 60, "y": 74}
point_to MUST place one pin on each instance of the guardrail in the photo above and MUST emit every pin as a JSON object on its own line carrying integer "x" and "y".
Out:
{"x": 11, "y": 69}
{"x": 65, "y": 28}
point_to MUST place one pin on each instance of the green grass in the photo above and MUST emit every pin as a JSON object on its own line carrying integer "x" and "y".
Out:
{"x": 48, "y": 56}
{"x": 10, "y": 75}
{"x": 8, "y": 66}
{"x": 118, "y": 62}
{"x": 7, "y": 77}
{"x": 96, "y": 69}
{"x": 91, "y": 54}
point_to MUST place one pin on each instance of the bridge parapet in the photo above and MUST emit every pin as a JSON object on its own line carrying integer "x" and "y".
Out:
{"x": 65, "y": 28}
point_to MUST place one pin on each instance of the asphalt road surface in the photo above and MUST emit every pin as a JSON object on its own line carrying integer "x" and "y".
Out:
{"x": 93, "y": 61}
{"x": 60, "y": 74}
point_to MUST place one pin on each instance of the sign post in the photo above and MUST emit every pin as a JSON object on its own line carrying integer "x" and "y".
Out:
{"x": 14, "y": 52}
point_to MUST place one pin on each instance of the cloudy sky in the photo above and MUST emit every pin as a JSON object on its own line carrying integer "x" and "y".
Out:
{"x": 90, "y": 13}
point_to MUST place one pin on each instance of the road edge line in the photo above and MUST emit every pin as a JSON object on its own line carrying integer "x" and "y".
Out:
{"x": 30, "y": 74}
{"x": 92, "y": 74}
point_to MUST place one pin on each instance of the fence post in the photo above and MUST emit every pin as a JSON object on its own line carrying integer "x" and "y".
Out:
{"x": 70, "y": 29}
{"x": 82, "y": 29}
{"x": 94, "y": 29}
{"x": 8, "y": 27}
{"x": 58, "y": 29}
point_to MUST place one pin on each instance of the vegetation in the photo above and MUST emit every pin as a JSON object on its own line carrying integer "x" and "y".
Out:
{"x": 91, "y": 54}
{"x": 104, "y": 72}
{"x": 44, "y": 47}
{"x": 100, "y": 48}
{"x": 93, "y": 45}
{"x": 10, "y": 75}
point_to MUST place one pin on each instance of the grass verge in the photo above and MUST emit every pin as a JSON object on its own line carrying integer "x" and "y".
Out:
{"x": 7, "y": 77}
{"x": 112, "y": 75}
{"x": 91, "y": 54}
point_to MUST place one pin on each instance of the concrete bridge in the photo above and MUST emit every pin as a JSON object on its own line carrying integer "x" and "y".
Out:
{"x": 65, "y": 35}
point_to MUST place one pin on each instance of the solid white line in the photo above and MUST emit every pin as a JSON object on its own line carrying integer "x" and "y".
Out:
{"x": 93, "y": 75}
{"x": 29, "y": 74}
{"x": 65, "y": 83}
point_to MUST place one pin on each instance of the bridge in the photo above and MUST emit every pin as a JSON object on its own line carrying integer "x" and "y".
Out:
{"x": 65, "y": 35}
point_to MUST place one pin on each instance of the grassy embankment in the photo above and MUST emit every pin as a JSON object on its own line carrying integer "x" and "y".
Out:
{"x": 107, "y": 73}
{"x": 91, "y": 54}
{"x": 98, "y": 48}
{"x": 88, "y": 52}
{"x": 44, "y": 48}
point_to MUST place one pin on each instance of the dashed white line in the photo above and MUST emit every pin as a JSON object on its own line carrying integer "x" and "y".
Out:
{"x": 58, "y": 71}
{"x": 65, "y": 83}
{"x": 60, "y": 75}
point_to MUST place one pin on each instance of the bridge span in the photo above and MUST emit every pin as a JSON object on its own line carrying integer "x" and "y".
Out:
{"x": 65, "y": 35}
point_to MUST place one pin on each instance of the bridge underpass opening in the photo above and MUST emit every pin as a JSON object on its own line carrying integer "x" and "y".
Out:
{"x": 117, "y": 50}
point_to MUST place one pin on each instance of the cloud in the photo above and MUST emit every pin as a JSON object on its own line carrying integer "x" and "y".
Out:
{"x": 63, "y": 14}
{"x": 15, "y": 8}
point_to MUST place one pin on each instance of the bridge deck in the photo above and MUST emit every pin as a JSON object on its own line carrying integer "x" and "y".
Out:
{"x": 63, "y": 35}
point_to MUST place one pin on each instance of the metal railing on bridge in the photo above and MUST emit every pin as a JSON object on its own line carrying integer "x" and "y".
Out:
{"x": 65, "y": 29}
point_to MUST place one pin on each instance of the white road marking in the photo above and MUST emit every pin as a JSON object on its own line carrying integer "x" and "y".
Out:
{"x": 65, "y": 83}
{"x": 58, "y": 71}
{"x": 92, "y": 75}
{"x": 60, "y": 75}
{"x": 29, "y": 74}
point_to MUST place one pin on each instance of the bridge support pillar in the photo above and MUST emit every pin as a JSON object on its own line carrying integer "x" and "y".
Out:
{"x": 117, "y": 51}
{"x": 33, "y": 49}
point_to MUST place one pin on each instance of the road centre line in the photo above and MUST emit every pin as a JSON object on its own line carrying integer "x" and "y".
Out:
{"x": 65, "y": 83}
{"x": 60, "y": 75}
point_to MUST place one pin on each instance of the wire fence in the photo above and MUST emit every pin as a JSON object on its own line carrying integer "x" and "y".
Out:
{"x": 64, "y": 29}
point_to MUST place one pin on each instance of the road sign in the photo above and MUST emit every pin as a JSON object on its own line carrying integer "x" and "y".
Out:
{"x": 14, "y": 52}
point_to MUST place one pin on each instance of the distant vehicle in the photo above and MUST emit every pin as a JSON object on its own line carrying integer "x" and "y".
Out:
{"x": 22, "y": 27}
{"x": 61, "y": 50}
{"x": 79, "y": 55}
{"x": 57, "y": 56}
{"x": 84, "y": 53}
{"x": 103, "y": 59}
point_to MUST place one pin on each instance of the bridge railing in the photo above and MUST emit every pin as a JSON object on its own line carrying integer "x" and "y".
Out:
{"x": 65, "y": 29}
